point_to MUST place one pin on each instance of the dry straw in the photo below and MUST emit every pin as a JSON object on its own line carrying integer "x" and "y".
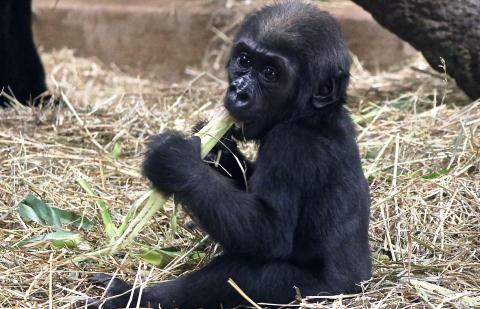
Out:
{"x": 420, "y": 148}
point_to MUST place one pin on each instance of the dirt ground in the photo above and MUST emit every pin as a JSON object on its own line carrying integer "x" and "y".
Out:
{"x": 419, "y": 139}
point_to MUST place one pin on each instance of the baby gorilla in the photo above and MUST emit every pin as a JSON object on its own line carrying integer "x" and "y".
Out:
{"x": 301, "y": 226}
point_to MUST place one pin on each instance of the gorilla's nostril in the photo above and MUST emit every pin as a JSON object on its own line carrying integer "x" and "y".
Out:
{"x": 242, "y": 98}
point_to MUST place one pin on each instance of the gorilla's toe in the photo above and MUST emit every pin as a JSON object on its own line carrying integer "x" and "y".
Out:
{"x": 117, "y": 295}
{"x": 114, "y": 286}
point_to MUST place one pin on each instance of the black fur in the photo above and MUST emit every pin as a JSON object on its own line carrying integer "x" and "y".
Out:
{"x": 21, "y": 72}
{"x": 304, "y": 221}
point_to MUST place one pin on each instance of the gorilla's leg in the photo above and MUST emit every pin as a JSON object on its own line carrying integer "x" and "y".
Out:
{"x": 270, "y": 282}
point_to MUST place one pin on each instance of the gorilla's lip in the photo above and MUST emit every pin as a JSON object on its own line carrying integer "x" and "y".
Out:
{"x": 239, "y": 124}
{"x": 242, "y": 124}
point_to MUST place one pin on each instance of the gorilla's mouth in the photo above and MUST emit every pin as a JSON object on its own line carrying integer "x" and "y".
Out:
{"x": 244, "y": 127}
{"x": 239, "y": 129}
{"x": 242, "y": 124}
{"x": 239, "y": 124}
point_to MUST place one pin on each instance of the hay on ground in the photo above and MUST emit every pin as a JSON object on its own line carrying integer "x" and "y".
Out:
{"x": 420, "y": 151}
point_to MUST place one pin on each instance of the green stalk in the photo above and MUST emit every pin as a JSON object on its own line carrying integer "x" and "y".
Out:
{"x": 209, "y": 135}
{"x": 110, "y": 229}
{"x": 133, "y": 210}
{"x": 155, "y": 202}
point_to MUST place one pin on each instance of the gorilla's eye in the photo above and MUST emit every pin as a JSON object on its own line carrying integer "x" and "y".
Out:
{"x": 270, "y": 74}
{"x": 326, "y": 89}
{"x": 244, "y": 61}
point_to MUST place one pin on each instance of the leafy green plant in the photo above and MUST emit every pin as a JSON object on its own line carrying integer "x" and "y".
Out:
{"x": 33, "y": 209}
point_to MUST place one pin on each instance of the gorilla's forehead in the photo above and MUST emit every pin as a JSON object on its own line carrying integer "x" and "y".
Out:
{"x": 294, "y": 28}
{"x": 287, "y": 42}
{"x": 262, "y": 48}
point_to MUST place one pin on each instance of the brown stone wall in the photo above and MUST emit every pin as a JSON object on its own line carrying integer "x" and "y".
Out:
{"x": 162, "y": 37}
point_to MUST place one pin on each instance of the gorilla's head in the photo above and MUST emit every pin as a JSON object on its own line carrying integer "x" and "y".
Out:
{"x": 288, "y": 61}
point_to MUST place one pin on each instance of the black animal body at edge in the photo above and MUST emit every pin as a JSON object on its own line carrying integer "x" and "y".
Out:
{"x": 304, "y": 221}
{"x": 21, "y": 71}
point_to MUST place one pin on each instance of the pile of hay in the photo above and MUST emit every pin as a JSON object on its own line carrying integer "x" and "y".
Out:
{"x": 419, "y": 145}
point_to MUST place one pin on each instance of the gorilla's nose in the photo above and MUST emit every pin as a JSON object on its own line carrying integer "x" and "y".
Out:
{"x": 240, "y": 84}
{"x": 240, "y": 91}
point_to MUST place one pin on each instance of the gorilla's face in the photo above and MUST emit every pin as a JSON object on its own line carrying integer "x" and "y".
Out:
{"x": 262, "y": 84}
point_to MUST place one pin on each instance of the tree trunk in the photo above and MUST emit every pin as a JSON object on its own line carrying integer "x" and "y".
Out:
{"x": 21, "y": 72}
{"x": 448, "y": 29}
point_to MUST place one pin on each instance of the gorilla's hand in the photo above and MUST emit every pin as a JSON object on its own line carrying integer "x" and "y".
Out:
{"x": 171, "y": 161}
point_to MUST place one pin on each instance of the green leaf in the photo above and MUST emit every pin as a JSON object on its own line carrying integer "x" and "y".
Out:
{"x": 27, "y": 213}
{"x": 158, "y": 257}
{"x": 372, "y": 154}
{"x": 459, "y": 297}
{"x": 174, "y": 222}
{"x": 197, "y": 255}
{"x": 58, "y": 239}
{"x": 162, "y": 257}
{"x": 436, "y": 174}
{"x": 33, "y": 209}
{"x": 457, "y": 143}
{"x": 363, "y": 119}
{"x": 116, "y": 151}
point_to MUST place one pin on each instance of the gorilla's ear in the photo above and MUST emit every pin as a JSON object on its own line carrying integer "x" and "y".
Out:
{"x": 330, "y": 91}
